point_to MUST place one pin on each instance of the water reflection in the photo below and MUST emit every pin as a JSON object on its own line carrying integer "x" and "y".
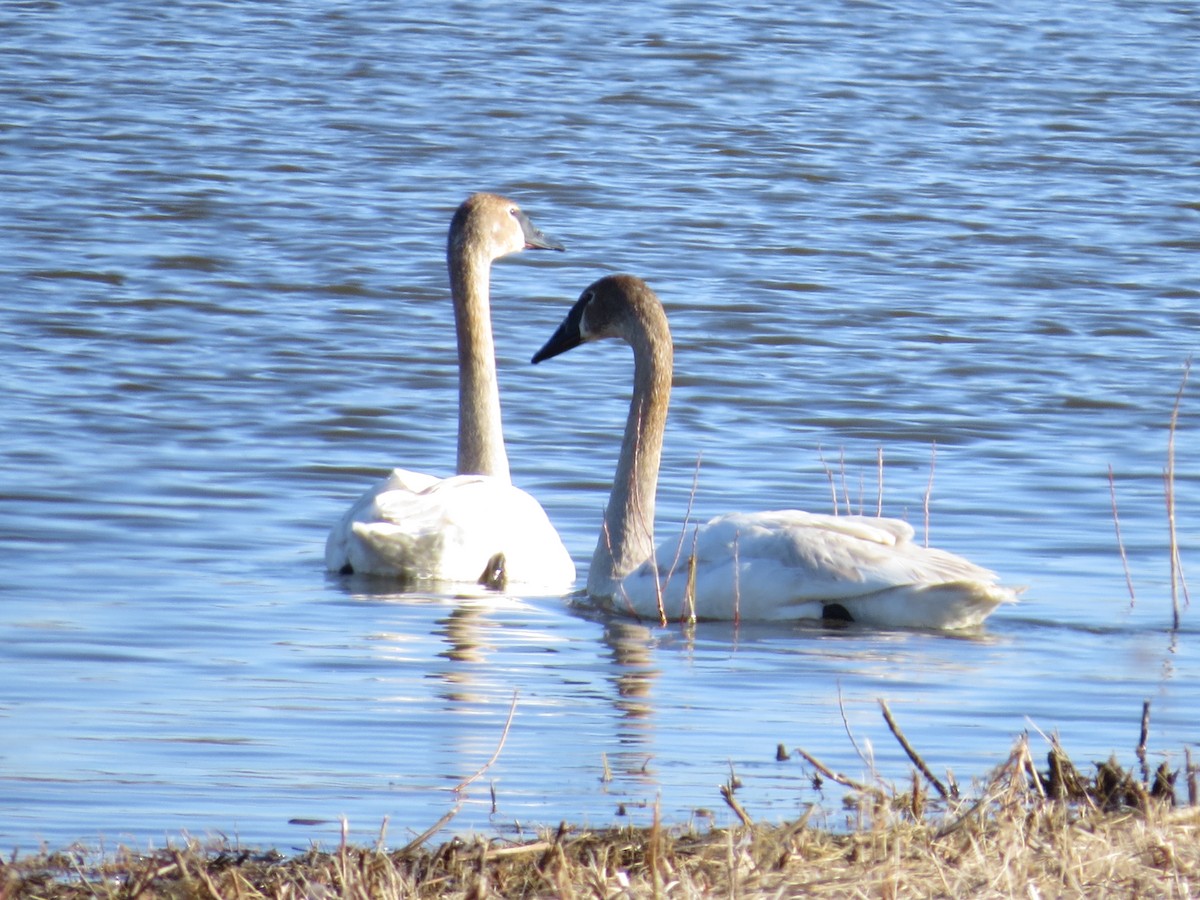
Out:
{"x": 463, "y": 631}
{"x": 631, "y": 651}
{"x": 460, "y": 626}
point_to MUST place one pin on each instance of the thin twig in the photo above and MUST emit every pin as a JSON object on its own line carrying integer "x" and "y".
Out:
{"x": 1141, "y": 747}
{"x": 499, "y": 746}
{"x": 929, "y": 487}
{"x": 870, "y": 764}
{"x": 1177, "y": 579}
{"x": 519, "y": 849}
{"x": 841, "y": 779}
{"x": 829, "y": 475}
{"x": 912, "y": 754}
{"x": 652, "y": 849}
{"x": 845, "y": 490}
{"x": 727, "y": 796}
{"x": 689, "y": 589}
{"x": 983, "y": 802}
{"x": 636, "y": 499}
{"x": 607, "y": 535}
{"x": 737, "y": 580}
{"x": 1030, "y": 767}
{"x": 380, "y": 841}
{"x": 1191, "y": 769}
{"x": 879, "y": 479}
{"x": 1018, "y": 760}
{"x": 687, "y": 518}
{"x": 1112, "y": 490}
{"x": 431, "y": 830}
{"x": 1169, "y": 494}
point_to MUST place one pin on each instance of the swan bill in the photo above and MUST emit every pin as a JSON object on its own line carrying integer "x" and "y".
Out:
{"x": 535, "y": 238}
{"x": 568, "y": 335}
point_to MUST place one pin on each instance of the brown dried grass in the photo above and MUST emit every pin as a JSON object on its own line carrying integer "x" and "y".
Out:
{"x": 1027, "y": 833}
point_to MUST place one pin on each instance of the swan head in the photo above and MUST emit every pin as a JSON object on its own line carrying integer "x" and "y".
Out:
{"x": 495, "y": 226}
{"x": 615, "y": 306}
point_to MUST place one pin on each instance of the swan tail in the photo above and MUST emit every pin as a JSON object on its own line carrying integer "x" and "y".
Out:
{"x": 949, "y": 606}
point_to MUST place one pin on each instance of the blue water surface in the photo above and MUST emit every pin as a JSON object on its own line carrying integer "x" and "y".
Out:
{"x": 962, "y": 237}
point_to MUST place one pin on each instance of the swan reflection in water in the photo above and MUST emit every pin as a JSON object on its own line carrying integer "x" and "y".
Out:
{"x": 612, "y": 714}
{"x": 475, "y": 653}
{"x": 634, "y": 674}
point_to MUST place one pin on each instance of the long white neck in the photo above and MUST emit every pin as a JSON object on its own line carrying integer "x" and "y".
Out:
{"x": 627, "y": 539}
{"x": 480, "y": 433}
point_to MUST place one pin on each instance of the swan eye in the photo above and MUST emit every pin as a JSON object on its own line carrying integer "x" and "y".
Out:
{"x": 580, "y": 313}
{"x": 514, "y": 212}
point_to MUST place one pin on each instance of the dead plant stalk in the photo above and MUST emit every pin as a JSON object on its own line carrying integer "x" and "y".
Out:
{"x": 929, "y": 487}
{"x": 1112, "y": 491}
{"x": 1178, "y": 583}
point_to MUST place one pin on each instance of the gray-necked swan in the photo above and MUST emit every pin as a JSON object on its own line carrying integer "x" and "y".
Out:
{"x": 421, "y": 528}
{"x": 779, "y": 565}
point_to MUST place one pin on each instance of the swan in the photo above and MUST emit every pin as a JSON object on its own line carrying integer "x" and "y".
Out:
{"x": 474, "y": 526}
{"x": 766, "y": 566}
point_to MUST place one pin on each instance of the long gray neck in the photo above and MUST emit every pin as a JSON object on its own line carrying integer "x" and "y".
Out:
{"x": 627, "y": 539}
{"x": 480, "y": 433}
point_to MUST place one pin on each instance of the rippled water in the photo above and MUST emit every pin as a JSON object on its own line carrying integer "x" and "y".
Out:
{"x": 224, "y": 313}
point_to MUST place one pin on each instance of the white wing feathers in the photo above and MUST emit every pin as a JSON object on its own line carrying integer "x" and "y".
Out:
{"x": 425, "y": 529}
{"x": 789, "y": 564}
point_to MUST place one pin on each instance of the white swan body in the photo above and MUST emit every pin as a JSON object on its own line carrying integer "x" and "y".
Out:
{"x": 419, "y": 528}
{"x": 765, "y": 566}
{"x": 474, "y": 527}
{"x": 789, "y": 564}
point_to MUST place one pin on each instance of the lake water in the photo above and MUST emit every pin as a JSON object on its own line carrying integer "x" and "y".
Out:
{"x": 888, "y": 227}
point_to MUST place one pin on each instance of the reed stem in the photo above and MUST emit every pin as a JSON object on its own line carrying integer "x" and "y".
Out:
{"x": 1112, "y": 492}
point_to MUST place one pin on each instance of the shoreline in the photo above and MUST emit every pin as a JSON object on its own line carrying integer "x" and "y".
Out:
{"x": 1024, "y": 832}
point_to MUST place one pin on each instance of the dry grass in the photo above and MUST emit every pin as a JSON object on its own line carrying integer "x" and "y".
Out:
{"x": 1026, "y": 833}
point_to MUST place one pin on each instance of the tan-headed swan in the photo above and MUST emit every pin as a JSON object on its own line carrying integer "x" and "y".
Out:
{"x": 780, "y": 565}
{"x": 474, "y": 526}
